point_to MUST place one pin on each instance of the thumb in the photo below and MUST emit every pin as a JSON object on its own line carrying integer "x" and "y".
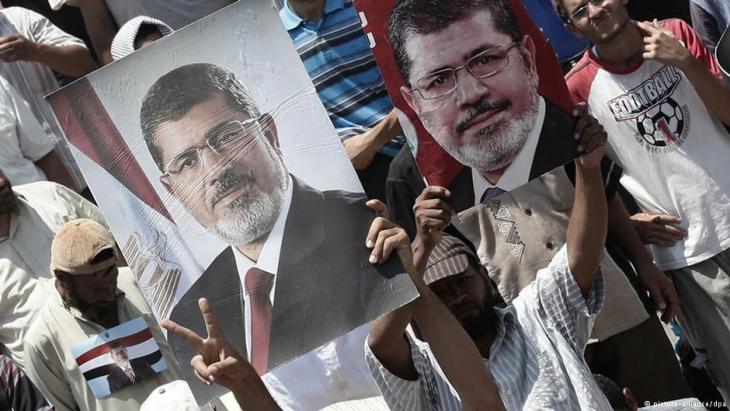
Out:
{"x": 658, "y": 298}
{"x": 378, "y": 207}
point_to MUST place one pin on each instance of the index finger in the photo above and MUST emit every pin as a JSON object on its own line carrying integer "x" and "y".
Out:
{"x": 185, "y": 333}
{"x": 668, "y": 219}
{"x": 434, "y": 192}
{"x": 211, "y": 324}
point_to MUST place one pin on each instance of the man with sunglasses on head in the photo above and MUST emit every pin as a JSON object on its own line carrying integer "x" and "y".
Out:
{"x": 296, "y": 274}
{"x": 659, "y": 94}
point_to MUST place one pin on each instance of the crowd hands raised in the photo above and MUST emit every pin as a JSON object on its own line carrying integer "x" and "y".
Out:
{"x": 457, "y": 345}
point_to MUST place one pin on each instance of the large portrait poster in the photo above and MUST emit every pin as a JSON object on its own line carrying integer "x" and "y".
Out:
{"x": 480, "y": 92}
{"x": 221, "y": 176}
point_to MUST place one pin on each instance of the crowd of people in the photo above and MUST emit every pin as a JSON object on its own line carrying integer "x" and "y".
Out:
{"x": 603, "y": 284}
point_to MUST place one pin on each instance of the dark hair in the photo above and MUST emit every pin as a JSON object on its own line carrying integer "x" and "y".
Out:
{"x": 145, "y": 29}
{"x": 559, "y": 6}
{"x": 422, "y": 17}
{"x": 612, "y": 391}
{"x": 177, "y": 92}
{"x": 103, "y": 255}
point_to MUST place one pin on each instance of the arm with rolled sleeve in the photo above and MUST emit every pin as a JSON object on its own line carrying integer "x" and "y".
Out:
{"x": 561, "y": 303}
{"x": 57, "y": 49}
{"x": 428, "y": 391}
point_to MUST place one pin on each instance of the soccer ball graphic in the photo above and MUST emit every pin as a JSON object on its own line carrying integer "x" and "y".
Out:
{"x": 662, "y": 125}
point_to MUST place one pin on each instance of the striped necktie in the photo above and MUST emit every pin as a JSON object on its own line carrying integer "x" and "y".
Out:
{"x": 258, "y": 286}
{"x": 491, "y": 193}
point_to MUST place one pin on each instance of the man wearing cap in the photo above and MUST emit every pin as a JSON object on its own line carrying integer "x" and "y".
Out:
{"x": 139, "y": 32}
{"x": 30, "y": 214}
{"x": 533, "y": 348}
{"x": 92, "y": 296}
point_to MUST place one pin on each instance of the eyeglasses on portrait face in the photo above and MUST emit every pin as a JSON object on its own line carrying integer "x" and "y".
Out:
{"x": 235, "y": 137}
{"x": 581, "y": 12}
{"x": 485, "y": 64}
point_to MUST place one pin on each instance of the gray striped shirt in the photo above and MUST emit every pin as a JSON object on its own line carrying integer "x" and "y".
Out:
{"x": 536, "y": 358}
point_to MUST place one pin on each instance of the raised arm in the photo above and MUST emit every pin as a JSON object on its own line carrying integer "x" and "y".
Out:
{"x": 454, "y": 350}
{"x": 661, "y": 45}
{"x": 587, "y": 228}
{"x": 101, "y": 27}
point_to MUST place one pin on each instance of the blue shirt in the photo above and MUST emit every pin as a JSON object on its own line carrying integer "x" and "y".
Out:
{"x": 336, "y": 53}
{"x": 566, "y": 44}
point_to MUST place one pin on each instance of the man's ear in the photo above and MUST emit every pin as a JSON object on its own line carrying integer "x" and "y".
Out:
{"x": 410, "y": 98}
{"x": 269, "y": 128}
{"x": 528, "y": 49}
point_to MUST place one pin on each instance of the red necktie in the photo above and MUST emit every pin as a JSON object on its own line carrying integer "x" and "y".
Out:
{"x": 491, "y": 193}
{"x": 258, "y": 286}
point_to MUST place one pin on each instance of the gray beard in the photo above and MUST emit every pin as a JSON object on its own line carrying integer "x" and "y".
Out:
{"x": 253, "y": 217}
{"x": 499, "y": 143}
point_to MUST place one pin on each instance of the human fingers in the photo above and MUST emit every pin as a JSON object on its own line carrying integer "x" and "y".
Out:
{"x": 211, "y": 323}
{"x": 377, "y": 206}
{"x": 591, "y": 136}
{"x": 672, "y": 300}
{"x": 645, "y": 28}
{"x": 666, "y": 219}
{"x": 433, "y": 192}
{"x": 382, "y": 247}
{"x": 201, "y": 369}
{"x": 186, "y": 334}
{"x": 378, "y": 225}
{"x": 433, "y": 219}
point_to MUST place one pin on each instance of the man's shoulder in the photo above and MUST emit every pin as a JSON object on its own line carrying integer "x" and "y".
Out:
{"x": 580, "y": 78}
{"x": 41, "y": 333}
{"x": 21, "y": 16}
{"x": 41, "y": 189}
{"x": 676, "y": 26}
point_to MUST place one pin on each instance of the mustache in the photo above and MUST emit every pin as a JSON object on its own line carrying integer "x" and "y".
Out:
{"x": 228, "y": 179}
{"x": 478, "y": 109}
{"x": 464, "y": 307}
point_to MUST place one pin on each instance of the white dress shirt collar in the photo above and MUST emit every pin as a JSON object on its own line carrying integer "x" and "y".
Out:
{"x": 517, "y": 173}
{"x": 268, "y": 259}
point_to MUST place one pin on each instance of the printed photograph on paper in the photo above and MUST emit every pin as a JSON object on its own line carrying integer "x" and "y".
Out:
{"x": 481, "y": 94}
{"x": 119, "y": 357}
{"x": 221, "y": 176}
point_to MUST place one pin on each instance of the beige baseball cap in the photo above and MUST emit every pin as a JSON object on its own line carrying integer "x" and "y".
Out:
{"x": 77, "y": 243}
{"x": 449, "y": 257}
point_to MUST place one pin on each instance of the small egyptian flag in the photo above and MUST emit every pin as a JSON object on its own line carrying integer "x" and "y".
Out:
{"x": 119, "y": 357}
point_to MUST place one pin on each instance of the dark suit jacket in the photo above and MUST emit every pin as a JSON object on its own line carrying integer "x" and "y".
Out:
{"x": 555, "y": 148}
{"x": 118, "y": 379}
{"x": 325, "y": 285}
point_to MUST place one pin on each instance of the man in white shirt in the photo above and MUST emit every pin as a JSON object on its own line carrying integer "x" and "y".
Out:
{"x": 31, "y": 50}
{"x": 29, "y": 216}
{"x": 27, "y": 155}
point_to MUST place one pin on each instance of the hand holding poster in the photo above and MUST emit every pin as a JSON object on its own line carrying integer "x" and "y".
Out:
{"x": 248, "y": 197}
{"x": 480, "y": 88}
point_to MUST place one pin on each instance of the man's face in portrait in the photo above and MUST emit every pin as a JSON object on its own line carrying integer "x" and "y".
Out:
{"x": 119, "y": 355}
{"x": 474, "y": 89}
{"x": 226, "y": 169}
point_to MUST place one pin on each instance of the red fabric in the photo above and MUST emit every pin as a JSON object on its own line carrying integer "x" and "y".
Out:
{"x": 87, "y": 126}
{"x": 128, "y": 341}
{"x": 258, "y": 286}
{"x": 434, "y": 164}
{"x": 581, "y": 77}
